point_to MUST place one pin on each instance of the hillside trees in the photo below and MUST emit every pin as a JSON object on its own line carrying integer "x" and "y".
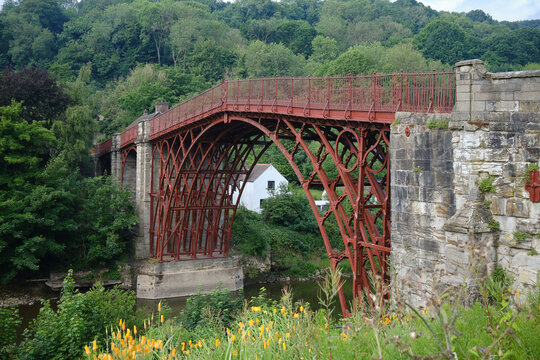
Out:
{"x": 50, "y": 215}
{"x": 42, "y": 98}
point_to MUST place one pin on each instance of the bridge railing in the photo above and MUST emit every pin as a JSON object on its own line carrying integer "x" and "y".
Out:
{"x": 129, "y": 135}
{"x": 414, "y": 92}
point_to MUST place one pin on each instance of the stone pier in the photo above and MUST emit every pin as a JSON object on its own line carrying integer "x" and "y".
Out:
{"x": 445, "y": 230}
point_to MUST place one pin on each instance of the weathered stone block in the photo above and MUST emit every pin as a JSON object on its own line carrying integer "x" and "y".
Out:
{"x": 517, "y": 208}
{"x": 502, "y": 106}
{"x": 529, "y": 106}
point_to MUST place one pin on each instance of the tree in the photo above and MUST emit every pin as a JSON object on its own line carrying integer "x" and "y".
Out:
{"x": 291, "y": 209}
{"x": 353, "y": 61}
{"x": 42, "y": 99}
{"x": 210, "y": 60}
{"x": 22, "y": 147}
{"x": 442, "y": 40}
{"x": 297, "y": 36}
{"x": 262, "y": 60}
{"x": 324, "y": 49}
{"x": 75, "y": 136}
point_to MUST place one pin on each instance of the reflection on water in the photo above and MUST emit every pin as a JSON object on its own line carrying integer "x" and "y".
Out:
{"x": 306, "y": 291}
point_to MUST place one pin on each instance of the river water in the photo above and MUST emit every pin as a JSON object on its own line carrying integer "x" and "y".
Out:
{"x": 307, "y": 291}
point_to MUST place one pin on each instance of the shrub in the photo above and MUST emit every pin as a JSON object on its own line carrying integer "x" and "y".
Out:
{"x": 10, "y": 321}
{"x": 520, "y": 237}
{"x": 220, "y": 301}
{"x": 248, "y": 234}
{"x": 79, "y": 319}
{"x": 486, "y": 184}
{"x": 434, "y": 124}
{"x": 290, "y": 209}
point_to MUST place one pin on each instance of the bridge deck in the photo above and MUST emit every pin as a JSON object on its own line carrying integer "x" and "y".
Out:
{"x": 373, "y": 98}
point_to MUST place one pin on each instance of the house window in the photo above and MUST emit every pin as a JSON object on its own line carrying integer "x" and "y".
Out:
{"x": 271, "y": 185}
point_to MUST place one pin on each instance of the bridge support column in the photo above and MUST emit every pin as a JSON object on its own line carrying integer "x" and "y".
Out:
{"x": 445, "y": 230}
{"x": 116, "y": 158}
{"x": 142, "y": 188}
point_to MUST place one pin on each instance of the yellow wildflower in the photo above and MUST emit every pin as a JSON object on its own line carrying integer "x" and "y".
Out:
{"x": 162, "y": 318}
{"x": 284, "y": 346}
{"x": 255, "y": 308}
{"x": 86, "y": 349}
{"x": 159, "y": 307}
{"x": 135, "y": 329}
{"x": 217, "y": 342}
{"x": 296, "y": 316}
{"x": 251, "y": 322}
{"x": 94, "y": 345}
{"x": 235, "y": 352}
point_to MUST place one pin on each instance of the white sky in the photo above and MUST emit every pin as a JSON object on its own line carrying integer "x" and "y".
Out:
{"x": 499, "y": 9}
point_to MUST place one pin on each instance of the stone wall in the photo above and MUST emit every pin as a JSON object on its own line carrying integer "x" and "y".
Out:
{"x": 422, "y": 176}
{"x": 443, "y": 226}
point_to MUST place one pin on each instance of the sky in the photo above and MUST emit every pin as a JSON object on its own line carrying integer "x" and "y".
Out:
{"x": 510, "y": 10}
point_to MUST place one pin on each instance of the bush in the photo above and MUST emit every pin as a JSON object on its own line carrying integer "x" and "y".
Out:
{"x": 10, "y": 321}
{"x": 79, "y": 319}
{"x": 290, "y": 209}
{"x": 220, "y": 302}
{"x": 248, "y": 234}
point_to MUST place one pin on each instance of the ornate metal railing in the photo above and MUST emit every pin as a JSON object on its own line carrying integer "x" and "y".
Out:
{"x": 336, "y": 97}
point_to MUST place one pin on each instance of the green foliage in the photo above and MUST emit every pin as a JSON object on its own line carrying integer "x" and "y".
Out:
{"x": 532, "y": 66}
{"x": 63, "y": 219}
{"x": 434, "y": 124}
{"x": 75, "y": 136}
{"x": 80, "y": 318}
{"x": 10, "y": 320}
{"x": 289, "y": 209}
{"x": 249, "y": 233}
{"x": 353, "y": 61}
{"x": 417, "y": 170}
{"x": 22, "y": 148}
{"x": 442, "y": 40}
{"x": 520, "y": 237}
{"x": 498, "y": 285}
{"x": 532, "y": 167}
{"x": 267, "y": 60}
{"x": 532, "y": 252}
{"x": 495, "y": 225}
{"x": 486, "y": 184}
{"x": 110, "y": 217}
{"x": 220, "y": 301}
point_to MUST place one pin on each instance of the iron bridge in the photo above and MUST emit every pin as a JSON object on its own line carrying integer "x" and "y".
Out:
{"x": 203, "y": 148}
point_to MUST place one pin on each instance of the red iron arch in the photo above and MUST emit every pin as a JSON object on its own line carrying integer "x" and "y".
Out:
{"x": 193, "y": 209}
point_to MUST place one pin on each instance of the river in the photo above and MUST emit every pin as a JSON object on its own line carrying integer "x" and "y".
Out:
{"x": 307, "y": 291}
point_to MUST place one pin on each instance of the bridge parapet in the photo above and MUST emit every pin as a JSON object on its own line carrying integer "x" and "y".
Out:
{"x": 358, "y": 97}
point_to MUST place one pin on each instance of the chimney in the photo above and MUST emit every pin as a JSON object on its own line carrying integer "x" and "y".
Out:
{"x": 162, "y": 107}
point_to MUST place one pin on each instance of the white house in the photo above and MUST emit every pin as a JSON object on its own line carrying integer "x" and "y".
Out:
{"x": 263, "y": 178}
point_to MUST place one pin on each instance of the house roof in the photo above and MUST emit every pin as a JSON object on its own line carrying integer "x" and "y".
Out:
{"x": 258, "y": 171}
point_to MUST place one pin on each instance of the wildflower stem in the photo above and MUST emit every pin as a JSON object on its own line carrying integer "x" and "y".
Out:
{"x": 427, "y": 325}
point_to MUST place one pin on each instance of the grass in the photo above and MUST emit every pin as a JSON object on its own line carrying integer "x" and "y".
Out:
{"x": 266, "y": 329}
{"x": 434, "y": 124}
{"x": 486, "y": 184}
{"x": 316, "y": 193}
{"x": 520, "y": 237}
